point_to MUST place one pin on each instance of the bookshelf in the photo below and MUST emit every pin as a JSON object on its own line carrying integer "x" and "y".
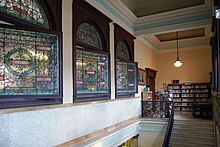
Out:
{"x": 185, "y": 96}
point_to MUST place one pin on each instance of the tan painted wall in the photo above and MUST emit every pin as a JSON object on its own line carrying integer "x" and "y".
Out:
{"x": 196, "y": 66}
{"x": 144, "y": 55}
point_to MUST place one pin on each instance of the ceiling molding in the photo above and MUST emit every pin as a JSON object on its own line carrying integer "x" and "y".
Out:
{"x": 144, "y": 28}
{"x": 157, "y": 42}
{"x": 196, "y": 17}
{"x": 114, "y": 12}
{"x": 140, "y": 38}
{"x": 123, "y": 10}
{"x": 174, "y": 27}
{"x": 183, "y": 43}
{"x": 175, "y": 14}
{"x": 203, "y": 47}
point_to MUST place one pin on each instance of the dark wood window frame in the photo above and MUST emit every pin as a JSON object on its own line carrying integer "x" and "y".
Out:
{"x": 53, "y": 11}
{"x": 121, "y": 35}
{"x": 83, "y": 12}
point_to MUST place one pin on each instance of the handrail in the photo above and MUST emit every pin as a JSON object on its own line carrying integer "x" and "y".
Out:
{"x": 169, "y": 128}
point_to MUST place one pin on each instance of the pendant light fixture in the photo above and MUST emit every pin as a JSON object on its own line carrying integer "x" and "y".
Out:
{"x": 177, "y": 63}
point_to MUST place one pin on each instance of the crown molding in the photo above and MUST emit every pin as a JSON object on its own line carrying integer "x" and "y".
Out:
{"x": 174, "y": 27}
{"x": 203, "y": 47}
{"x": 146, "y": 27}
{"x": 175, "y": 14}
{"x": 123, "y": 10}
{"x": 158, "y": 43}
{"x": 141, "y": 39}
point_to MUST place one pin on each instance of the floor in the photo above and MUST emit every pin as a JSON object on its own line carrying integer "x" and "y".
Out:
{"x": 183, "y": 115}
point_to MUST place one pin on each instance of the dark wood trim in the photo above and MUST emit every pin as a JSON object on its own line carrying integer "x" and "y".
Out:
{"x": 126, "y": 94}
{"x": 14, "y": 101}
{"x": 217, "y": 68}
{"x": 121, "y": 35}
{"x": 53, "y": 10}
{"x": 150, "y": 80}
{"x": 83, "y": 12}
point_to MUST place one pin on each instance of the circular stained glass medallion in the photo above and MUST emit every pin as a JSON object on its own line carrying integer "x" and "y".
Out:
{"x": 90, "y": 72}
{"x": 20, "y": 62}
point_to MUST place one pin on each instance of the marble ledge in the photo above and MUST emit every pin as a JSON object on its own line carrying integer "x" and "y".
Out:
{"x": 101, "y": 132}
{"x": 36, "y": 108}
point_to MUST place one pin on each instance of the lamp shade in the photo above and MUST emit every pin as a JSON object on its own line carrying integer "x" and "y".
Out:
{"x": 177, "y": 63}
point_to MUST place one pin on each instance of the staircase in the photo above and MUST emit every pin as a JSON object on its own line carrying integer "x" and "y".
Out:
{"x": 192, "y": 133}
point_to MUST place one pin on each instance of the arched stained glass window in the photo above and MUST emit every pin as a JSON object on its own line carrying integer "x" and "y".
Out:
{"x": 28, "y": 10}
{"x": 126, "y": 68}
{"x": 30, "y": 60}
{"x": 86, "y": 33}
{"x": 92, "y": 69}
{"x": 122, "y": 51}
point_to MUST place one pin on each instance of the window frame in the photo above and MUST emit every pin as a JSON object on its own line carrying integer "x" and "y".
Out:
{"x": 83, "y": 12}
{"x": 55, "y": 27}
{"x": 121, "y": 35}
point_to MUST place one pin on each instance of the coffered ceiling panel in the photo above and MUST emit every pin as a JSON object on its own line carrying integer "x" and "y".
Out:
{"x": 148, "y": 7}
{"x": 193, "y": 33}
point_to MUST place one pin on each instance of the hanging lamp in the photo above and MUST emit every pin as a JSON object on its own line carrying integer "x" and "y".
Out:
{"x": 177, "y": 63}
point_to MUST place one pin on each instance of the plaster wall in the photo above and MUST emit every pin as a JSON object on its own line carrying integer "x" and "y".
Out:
{"x": 196, "y": 66}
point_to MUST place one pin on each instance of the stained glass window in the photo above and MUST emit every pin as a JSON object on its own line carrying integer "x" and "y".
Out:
{"x": 122, "y": 51}
{"x": 126, "y": 75}
{"x": 28, "y": 10}
{"x": 87, "y": 34}
{"x": 92, "y": 72}
{"x": 29, "y": 63}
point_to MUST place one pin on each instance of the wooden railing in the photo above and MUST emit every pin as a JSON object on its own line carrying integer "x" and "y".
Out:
{"x": 169, "y": 128}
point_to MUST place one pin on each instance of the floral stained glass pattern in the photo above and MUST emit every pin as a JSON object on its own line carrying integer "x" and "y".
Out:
{"x": 87, "y": 34}
{"x": 92, "y": 72}
{"x": 126, "y": 77}
{"x": 28, "y": 10}
{"x": 122, "y": 51}
{"x": 29, "y": 63}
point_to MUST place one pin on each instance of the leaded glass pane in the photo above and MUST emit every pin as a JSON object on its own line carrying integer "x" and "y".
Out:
{"x": 91, "y": 72}
{"x": 87, "y": 34}
{"x": 28, "y": 10}
{"x": 122, "y": 51}
{"x": 29, "y": 63}
{"x": 126, "y": 76}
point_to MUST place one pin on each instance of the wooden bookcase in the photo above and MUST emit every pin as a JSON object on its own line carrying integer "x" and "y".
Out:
{"x": 186, "y": 96}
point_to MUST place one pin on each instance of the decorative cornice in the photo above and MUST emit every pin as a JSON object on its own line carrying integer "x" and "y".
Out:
{"x": 123, "y": 10}
{"x": 184, "y": 43}
{"x": 176, "y": 20}
{"x": 174, "y": 27}
{"x": 141, "y": 38}
{"x": 191, "y": 48}
{"x": 114, "y": 12}
{"x": 175, "y": 14}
